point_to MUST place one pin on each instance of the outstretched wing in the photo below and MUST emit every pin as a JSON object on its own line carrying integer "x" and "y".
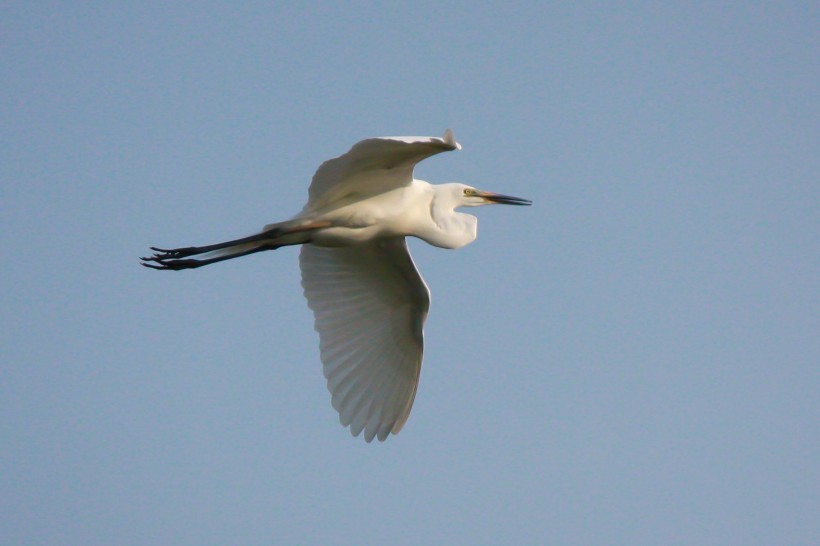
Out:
{"x": 370, "y": 303}
{"x": 373, "y": 166}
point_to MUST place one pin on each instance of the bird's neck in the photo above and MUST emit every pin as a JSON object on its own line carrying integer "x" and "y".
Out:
{"x": 451, "y": 229}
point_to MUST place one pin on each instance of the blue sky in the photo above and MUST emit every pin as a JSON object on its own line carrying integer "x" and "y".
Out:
{"x": 632, "y": 360}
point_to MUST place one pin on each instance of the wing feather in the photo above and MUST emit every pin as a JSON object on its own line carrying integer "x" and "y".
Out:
{"x": 373, "y": 166}
{"x": 369, "y": 303}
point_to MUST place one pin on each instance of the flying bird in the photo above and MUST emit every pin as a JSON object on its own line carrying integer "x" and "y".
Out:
{"x": 368, "y": 299}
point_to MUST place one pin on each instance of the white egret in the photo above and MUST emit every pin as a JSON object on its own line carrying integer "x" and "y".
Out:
{"x": 368, "y": 299}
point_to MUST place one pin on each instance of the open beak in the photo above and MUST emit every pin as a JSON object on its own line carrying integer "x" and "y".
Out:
{"x": 491, "y": 197}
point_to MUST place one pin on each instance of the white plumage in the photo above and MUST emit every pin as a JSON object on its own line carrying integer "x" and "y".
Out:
{"x": 370, "y": 305}
{"x": 369, "y": 300}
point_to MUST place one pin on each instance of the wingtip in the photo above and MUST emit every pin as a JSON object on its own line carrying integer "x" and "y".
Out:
{"x": 450, "y": 139}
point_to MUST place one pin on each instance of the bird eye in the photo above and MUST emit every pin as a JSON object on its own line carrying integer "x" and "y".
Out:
{"x": 468, "y": 191}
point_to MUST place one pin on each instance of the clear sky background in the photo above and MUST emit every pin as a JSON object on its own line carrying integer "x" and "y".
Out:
{"x": 632, "y": 360}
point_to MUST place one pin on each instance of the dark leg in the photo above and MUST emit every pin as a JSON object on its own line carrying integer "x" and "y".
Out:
{"x": 174, "y": 259}
{"x": 184, "y": 252}
{"x": 167, "y": 262}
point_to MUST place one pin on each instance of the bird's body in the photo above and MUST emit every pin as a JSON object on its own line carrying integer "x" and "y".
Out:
{"x": 367, "y": 296}
{"x": 394, "y": 214}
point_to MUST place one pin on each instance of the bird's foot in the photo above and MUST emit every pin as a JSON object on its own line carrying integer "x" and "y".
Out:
{"x": 172, "y": 259}
{"x": 176, "y": 253}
